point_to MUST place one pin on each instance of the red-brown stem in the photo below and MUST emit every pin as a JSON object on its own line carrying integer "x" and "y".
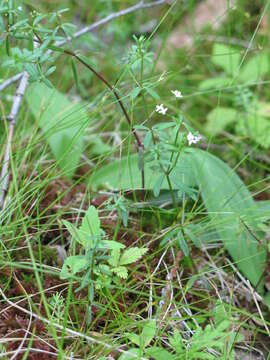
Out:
{"x": 110, "y": 87}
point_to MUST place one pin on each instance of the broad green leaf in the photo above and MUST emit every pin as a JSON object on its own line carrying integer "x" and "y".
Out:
{"x": 61, "y": 122}
{"x": 255, "y": 68}
{"x": 225, "y": 197}
{"x": 148, "y": 333}
{"x": 256, "y": 128}
{"x": 229, "y": 204}
{"x": 219, "y": 118}
{"x": 72, "y": 265}
{"x": 90, "y": 227}
{"x": 228, "y": 58}
{"x": 134, "y": 338}
{"x": 98, "y": 147}
{"x": 124, "y": 174}
{"x": 215, "y": 83}
{"x": 131, "y": 255}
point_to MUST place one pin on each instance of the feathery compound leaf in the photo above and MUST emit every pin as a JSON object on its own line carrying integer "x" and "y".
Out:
{"x": 132, "y": 255}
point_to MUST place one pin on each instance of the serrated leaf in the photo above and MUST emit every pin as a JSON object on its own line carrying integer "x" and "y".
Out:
{"x": 114, "y": 258}
{"x": 215, "y": 83}
{"x": 219, "y": 118}
{"x": 120, "y": 271}
{"x": 110, "y": 245}
{"x": 255, "y": 127}
{"x": 131, "y": 255}
{"x": 72, "y": 265}
{"x": 228, "y": 58}
{"x": 176, "y": 341}
{"x": 255, "y": 68}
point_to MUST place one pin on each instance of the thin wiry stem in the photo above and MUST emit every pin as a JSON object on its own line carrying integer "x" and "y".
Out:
{"x": 67, "y": 330}
{"x": 4, "y": 179}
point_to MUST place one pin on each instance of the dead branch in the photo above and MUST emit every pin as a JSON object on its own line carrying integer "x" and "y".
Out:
{"x": 4, "y": 178}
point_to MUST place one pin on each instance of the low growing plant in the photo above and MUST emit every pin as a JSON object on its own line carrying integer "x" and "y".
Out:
{"x": 101, "y": 261}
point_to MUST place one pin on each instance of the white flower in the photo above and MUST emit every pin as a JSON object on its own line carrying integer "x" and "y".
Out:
{"x": 161, "y": 109}
{"x": 19, "y": 8}
{"x": 193, "y": 139}
{"x": 177, "y": 93}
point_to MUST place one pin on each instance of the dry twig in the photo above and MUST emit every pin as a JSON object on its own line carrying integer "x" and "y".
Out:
{"x": 4, "y": 178}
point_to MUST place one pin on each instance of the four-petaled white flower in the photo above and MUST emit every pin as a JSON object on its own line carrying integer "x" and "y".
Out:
{"x": 193, "y": 139}
{"x": 177, "y": 93}
{"x": 161, "y": 109}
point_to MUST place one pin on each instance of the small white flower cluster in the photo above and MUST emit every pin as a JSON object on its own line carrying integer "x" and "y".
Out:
{"x": 160, "y": 109}
{"x": 193, "y": 139}
{"x": 177, "y": 94}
